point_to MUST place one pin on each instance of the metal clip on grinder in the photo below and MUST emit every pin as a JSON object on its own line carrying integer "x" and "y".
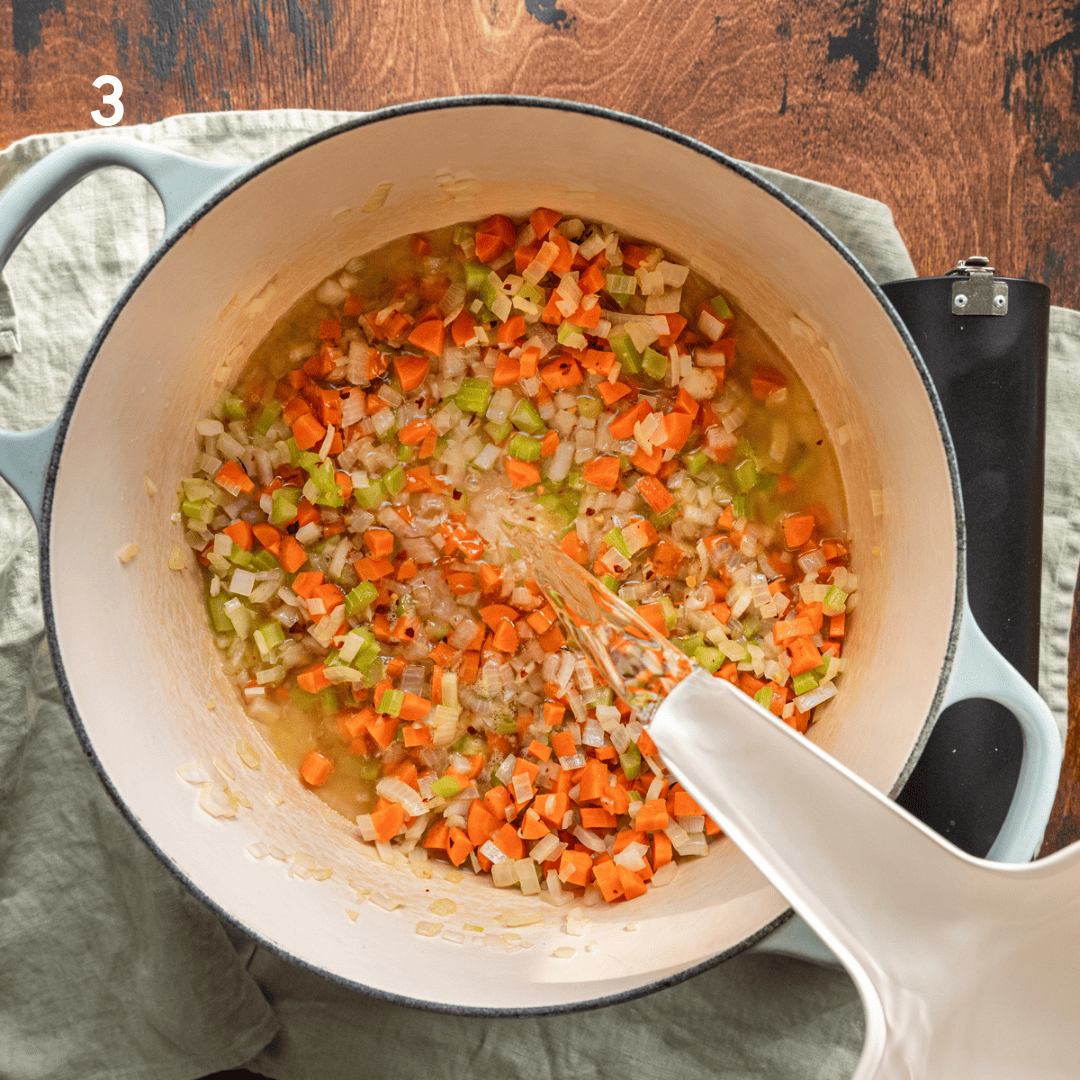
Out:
{"x": 984, "y": 341}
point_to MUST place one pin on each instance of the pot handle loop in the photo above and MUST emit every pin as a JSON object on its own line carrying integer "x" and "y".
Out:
{"x": 183, "y": 183}
{"x": 979, "y": 671}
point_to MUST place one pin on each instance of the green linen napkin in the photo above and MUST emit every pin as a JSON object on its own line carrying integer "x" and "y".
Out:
{"x": 110, "y": 969}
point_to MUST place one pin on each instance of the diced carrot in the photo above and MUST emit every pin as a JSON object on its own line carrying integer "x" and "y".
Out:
{"x": 506, "y": 638}
{"x": 652, "y": 816}
{"x": 313, "y": 679}
{"x": 438, "y": 836}
{"x": 601, "y": 471}
{"x": 591, "y": 280}
{"x": 522, "y": 474}
{"x": 574, "y": 547}
{"x": 382, "y": 728}
{"x": 543, "y": 221}
{"x": 552, "y": 640}
{"x": 549, "y": 444}
{"x": 814, "y": 613}
{"x": 561, "y": 374}
{"x": 481, "y": 823}
{"x": 511, "y": 330}
{"x": 836, "y": 625}
{"x": 667, "y": 558}
{"x": 564, "y": 261}
{"x": 632, "y": 885}
{"x": 653, "y": 614}
{"x": 417, "y": 735}
{"x": 765, "y": 381}
{"x": 612, "y": 392}
{"x": 662, "y": 852}
{"x": 551, "y": 807}
{"x": 646, "y": 745}
{"x": 459, "y": 846}
{"x": 593, "y": 817}
{"x": 414, "y": 707}
{"x": 508, "y": 841}
{"x": 463, "y": 328}
{"x": 539, "y": 750}
{"x": 655, "y": 494}
{"x": 786, "y": 484}
{"x": 562, "y": 742}
{"x": 307, "y": 431}
{"x": 683, "y": 804}
{"x": 622, "y": 427}
{"x": 607, "y": 877}
{"x": 293, "y": 555}
{"x": 575, "y": 867}
{"x": 676, "y": 430}
{"x": 470, "y": 667}
{"x": 532, "y": 828}
{"x": 553, "y": 714}
{"x": 594, "y": 780}
{"x": 493, "y": 614}
{"x": 315, "y": 769}
{"x": 268, "y": 536}
{"x": 797, "y": 529}
{"x": 241, "y": 534}
{"x": 305, "y": 584}
{"x": 231, "y": 475}
{"x": 804, "y": 655}
{"x": 786, "y": 629}
{"x": 380, "y": 542}
{"x": 507, "y": 371}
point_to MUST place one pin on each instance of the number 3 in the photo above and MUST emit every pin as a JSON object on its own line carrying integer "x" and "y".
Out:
{"x": 112, "y": 99}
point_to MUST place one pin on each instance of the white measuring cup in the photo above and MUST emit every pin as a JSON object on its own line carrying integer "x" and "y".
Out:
{"x": 967, "y": 969}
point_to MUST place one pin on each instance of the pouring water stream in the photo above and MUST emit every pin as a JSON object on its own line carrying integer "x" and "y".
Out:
{"x": 967, "y": 969}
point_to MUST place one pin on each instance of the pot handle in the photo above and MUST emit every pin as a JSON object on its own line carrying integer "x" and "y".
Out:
{"x": 183, "y": 183}
{"x": 979, "y": 671}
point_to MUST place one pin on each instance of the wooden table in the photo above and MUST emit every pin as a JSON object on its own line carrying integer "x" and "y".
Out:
{"x": 964, "y": 118}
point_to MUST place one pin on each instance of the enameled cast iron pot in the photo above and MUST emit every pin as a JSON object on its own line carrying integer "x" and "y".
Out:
{"x": 241, "y": 246}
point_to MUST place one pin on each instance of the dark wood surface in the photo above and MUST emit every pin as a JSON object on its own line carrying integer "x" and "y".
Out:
{"x": 963, "y": 117}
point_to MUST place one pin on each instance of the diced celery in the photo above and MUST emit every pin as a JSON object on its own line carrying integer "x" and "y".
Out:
{"x": 654, "y": 364}
{"x": 322, "y": 476}
{"x": 271, "y": 411}
{"x": 239, "y": 557}
{"x": 614, "y": 538}
{"x": 576, "y": 480}
{"x": 821, "y": 670}
{"x": 710, "y": 659}
{"x": 328, "y": 701}
{"x": 567, "y": 330}
{"x": 404, "y": 453}
{"x": 302, "y": 698}
{"x": 610, "y": 582}
{"x": 588, "y": 407}
{"x": 233, "y": 407}
{"x": 605, "y": 696}
{"x": 621, "y": 298}
{"x": 746, "y": 475}
{"x": 473, "y": 395}
{"x": 835, "y": 598}
{"x": 720, "y": 306}
{"x": 446, "y": 787}
{"x": 668, "y": 610}
{"x": 371, "y": 496}
{"x": 285, "y": 502}
{"x": 804, "y": 683}
{"x": 366, "y": 661}
{"x": 391, "y": 701}
{"x": 263, "y": 560}
{"x": 475, "y": 276}
{"x": 533, "y": 293}
{"x": 764, "y": 696}
{"x": 630, "y": 761}
{"x": 489, "y": 294}
{"x": 192, "y": 508}
{"x": 294, "y": 451}
{"x": 691, "y": 644}
{"x": 696, "y": 462}
{"x": 273, "y": 633}
{"x": 524, "y": 447}
{"x": 506, "y": 727}
{"x": 549, "y": 502}
{"x": 360, "y": 597}
{"x": 499, "y": 432}
{"x": 463, "y": 235}
{"x": 740, "y": 506}
{"x": 626, "y": 353}
{"x": 751, "y": 625}
{"x": 216, "y": 606}
{"x": 665, "y": 520}
{"x": 394, "y": 480}
{"x": 571, "y": 500}
{"x": 468, "y": 745}
{"x": 766, "y": 484}
{"x": 525, "y": 418}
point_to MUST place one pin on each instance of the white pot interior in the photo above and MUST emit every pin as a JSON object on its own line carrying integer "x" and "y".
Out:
{"x": 142, "y": 694}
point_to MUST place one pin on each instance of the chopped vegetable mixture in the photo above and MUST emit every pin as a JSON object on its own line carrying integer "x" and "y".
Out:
{"x": 391, "y": 641}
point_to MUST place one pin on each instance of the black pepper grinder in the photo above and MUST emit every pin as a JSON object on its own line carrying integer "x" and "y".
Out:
{"x": 984, "y": 341}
